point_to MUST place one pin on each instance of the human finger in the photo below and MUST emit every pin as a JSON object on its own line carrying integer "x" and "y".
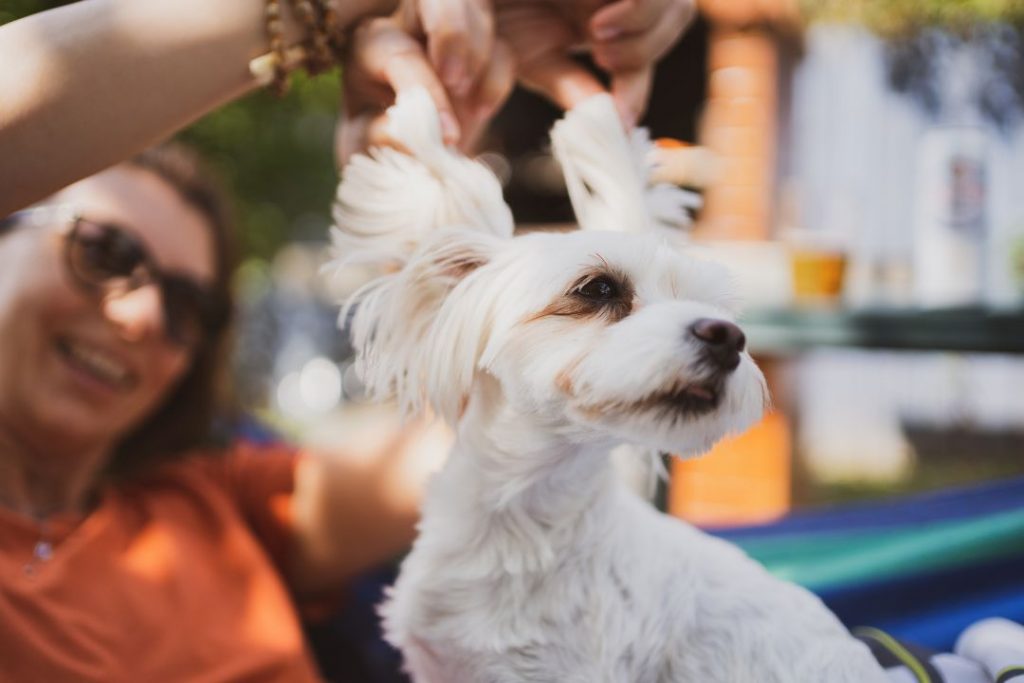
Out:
{"x": 561, "y": 80}
{"x": 636, "y": 51}
{"x": 389, "y": 55}
{"x": 631, "y": 91}
{"x": 541, "y": 39}
{"x": 460, "y": 39}
{"x": 624, "y": 17}
{"x": 493, "y": 88}
{"x": 384, "y": 59}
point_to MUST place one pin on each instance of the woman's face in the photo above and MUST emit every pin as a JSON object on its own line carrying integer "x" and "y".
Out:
{"x": 76, "y": 367}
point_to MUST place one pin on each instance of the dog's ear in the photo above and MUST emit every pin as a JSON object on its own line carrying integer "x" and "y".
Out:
{"x": 388, "y": 200}
{"x": 430, "y": 217}
{"x": 418, "y": 333}
{"x": 608, "y": 171}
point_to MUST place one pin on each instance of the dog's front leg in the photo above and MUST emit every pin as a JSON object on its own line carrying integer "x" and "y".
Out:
{"x": 421, "y": 663}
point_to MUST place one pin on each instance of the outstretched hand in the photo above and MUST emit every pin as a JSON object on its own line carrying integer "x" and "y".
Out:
{"x": 447, "y": 47}
{"x": 626, "y": 38}
{"x": 461, "y": 52}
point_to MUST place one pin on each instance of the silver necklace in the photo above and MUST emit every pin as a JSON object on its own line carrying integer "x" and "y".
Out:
{"x": 46, "y": 543}
{"x": 42, "y": 551}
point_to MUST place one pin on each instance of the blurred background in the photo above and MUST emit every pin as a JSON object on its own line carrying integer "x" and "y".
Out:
{"x": 861, "y": 166}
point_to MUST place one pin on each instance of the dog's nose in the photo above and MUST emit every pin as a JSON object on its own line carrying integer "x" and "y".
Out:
{"x": 723, "y": 340}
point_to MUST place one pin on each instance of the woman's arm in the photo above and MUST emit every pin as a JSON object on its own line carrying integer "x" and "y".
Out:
{"x": 354, "y": 512}
{"x": 89, "y": 84}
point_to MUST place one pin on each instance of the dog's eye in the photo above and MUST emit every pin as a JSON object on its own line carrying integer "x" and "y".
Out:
{"x": 600, "y": 289}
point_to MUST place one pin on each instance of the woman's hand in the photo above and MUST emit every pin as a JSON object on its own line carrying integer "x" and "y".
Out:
{"x": 444, "y": 46}
{"x": 460, "y": 39}
{"x": 626, "y": 38}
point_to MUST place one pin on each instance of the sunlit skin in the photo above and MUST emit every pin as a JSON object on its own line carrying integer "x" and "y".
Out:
{"x": 58, "y": 421}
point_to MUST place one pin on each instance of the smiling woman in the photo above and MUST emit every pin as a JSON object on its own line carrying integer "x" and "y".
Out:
{"x": 118, "y": 513}
{"x": 81, "y": 340}
{"x": 160, "y": 211}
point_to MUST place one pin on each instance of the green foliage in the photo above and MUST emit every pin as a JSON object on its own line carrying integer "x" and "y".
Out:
{"x": 894, "y": 17}
{"x": 275, "y": 154}
{"x": 15, "y": 9}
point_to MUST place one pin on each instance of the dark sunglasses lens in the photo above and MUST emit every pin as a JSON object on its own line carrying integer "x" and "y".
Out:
{"x": 108, "y": 258}
{"x": 100, "y": 254}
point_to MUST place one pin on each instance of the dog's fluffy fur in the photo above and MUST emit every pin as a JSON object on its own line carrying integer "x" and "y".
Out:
{"x": 533, "y": 562}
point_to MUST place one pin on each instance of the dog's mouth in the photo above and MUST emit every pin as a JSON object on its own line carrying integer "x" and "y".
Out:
{"x": 681, "y": 401}
{"x": 689, "y": 400}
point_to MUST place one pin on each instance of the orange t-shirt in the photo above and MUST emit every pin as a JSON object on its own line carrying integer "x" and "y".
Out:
{"x": 171, "y": 579}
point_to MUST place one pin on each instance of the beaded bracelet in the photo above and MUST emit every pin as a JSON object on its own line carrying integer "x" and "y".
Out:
{"x": 320, "y": 57}
{"x": 329, "y": 28}
{"x": 322, "y": 50}
{"x": 275, "y": 35}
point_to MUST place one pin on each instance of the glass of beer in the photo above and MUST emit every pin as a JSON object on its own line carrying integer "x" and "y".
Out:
{"x": 818, "y": 265}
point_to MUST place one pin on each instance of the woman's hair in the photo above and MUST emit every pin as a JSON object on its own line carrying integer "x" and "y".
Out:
{"x": 187, "y": 417}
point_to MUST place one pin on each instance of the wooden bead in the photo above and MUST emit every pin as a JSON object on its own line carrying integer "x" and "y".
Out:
{"x": 275, "y": 36}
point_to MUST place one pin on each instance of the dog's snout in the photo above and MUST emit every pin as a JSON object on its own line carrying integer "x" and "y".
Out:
{"x": 723, "y": 340}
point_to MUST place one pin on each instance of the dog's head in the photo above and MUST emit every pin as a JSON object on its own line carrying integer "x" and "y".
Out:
{"x": 593, "y": 335}
{"x": 590, "y": 334}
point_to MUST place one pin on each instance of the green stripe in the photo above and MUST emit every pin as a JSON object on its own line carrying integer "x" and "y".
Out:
{"x": 898, "y": 651}
{"x": 820, "y": 561}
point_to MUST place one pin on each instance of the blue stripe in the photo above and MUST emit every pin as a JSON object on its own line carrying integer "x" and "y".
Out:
{"x": 949, "y": 504}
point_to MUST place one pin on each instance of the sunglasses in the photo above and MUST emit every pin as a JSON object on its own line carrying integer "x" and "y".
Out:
{"x": 109, "y": 261}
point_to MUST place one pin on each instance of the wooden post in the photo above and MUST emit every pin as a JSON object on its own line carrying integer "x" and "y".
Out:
{"x": 744, "y": 479}
{"x": 739, "y": 126}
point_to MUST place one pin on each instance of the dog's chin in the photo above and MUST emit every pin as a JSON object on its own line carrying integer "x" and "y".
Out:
{"x": 675, "y": 404}
{"x": 687, "y": 419}
{"x": 684, "y": 402}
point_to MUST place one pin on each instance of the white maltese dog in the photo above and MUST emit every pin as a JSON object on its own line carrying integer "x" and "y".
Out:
{"x": 544, "y": 351}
